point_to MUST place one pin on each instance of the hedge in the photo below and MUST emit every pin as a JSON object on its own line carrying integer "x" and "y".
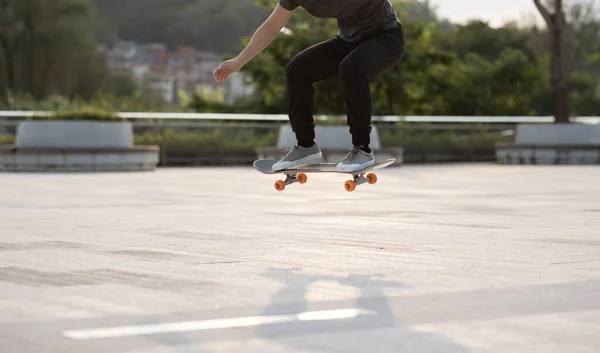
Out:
{"x": 84, "y": 114}
{"x": 189, "y": 143}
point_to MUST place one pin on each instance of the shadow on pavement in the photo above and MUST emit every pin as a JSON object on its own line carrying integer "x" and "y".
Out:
{"x": 380, "y": 332}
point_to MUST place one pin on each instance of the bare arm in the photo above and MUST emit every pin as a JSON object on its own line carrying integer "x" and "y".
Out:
{"x": 265, "y": 34}
{"x": 261, "y": 39}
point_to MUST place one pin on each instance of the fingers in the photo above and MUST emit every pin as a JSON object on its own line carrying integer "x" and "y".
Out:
{"x": 221, "y": 73}
{"x": 218, "y": 75}
{"x": 225, "y": 69}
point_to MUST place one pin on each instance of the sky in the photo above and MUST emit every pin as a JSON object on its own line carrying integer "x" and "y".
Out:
{"x": 495, "y": 11}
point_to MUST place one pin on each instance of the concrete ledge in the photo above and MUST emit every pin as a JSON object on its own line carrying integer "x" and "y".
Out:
{"x": 74, "y": 134}
{"x": 553, "y": 135}
{"x": 546, "y": 155}
{"x": 552, "y": 144}
{"x": 140, "y": 158}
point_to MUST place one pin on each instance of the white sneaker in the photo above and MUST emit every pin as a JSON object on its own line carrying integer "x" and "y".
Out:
{"x": 298, "y": 156}
{"x": 356, "y": 159}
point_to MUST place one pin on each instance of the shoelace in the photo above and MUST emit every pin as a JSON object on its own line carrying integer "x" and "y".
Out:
{"x": 352, "y": 153}
{"x": 294, "y": 148}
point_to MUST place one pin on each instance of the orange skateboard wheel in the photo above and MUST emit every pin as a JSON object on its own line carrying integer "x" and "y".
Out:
{"x": 372, "y": 178}
{"x": 302, "y": 178}
{"x": 279, "y": 185}
{"x": 350, "y": 185}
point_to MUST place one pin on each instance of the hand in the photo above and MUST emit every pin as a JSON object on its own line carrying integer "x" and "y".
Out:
{"x": 226, "y": 68}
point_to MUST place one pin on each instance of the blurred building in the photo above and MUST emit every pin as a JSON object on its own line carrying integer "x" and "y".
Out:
{"x": 183, "y": 69}
{"x": 152, "y": 55}
{"x": 122, "y": 55}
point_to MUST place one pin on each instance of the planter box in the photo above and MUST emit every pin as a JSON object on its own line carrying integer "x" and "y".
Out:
{"x": 552, "y": 144}
{"x": 74, "y": 134}
{"x": 76, "y": 146}
{"x": 139, "y": 158}
{"x": 558, "y": 135}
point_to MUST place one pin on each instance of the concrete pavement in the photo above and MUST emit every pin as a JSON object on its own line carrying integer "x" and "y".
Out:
{"x": 454, "y": 258}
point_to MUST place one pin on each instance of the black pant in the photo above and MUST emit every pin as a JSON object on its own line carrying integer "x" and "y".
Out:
{"x": 355, "y": 63}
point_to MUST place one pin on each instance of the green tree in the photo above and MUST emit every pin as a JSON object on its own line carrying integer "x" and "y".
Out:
{"x": 49, "y": 48}
{"x": 478, "y": 37}
{"x": 433, "y": 78}
{"x": 12, "y": 32}
{"x": 208, "y": 25}
{"x": 119, "y": 82}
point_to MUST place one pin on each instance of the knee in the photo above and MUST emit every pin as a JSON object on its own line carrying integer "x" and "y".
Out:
{"x": 348, "y": 70}
{"x": 295, "y": 70}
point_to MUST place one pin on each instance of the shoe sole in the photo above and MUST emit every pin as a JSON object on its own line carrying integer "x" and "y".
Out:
{"x": 351, "y": 168}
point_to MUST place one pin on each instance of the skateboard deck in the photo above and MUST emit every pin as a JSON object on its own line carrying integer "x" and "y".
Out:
{"x": 298, "y": 174}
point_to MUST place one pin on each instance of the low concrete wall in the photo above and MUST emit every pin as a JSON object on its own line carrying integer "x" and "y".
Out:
{"x": 552, "y": 144}
{"x": 142, "y": 158}
{"x": 76, "y": 146}
{"x": 74, "y": 134}
{"x": 546, "y": 155}
{"x": 558, "y": 135}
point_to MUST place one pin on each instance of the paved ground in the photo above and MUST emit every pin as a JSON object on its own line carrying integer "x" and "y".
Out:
{"x": 453, "y": 259}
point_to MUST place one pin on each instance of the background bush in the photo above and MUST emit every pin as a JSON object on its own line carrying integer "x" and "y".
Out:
{"x": 87, "y": 115}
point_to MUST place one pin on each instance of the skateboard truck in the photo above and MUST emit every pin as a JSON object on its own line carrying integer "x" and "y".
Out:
{"x": 349, "y": 185}
{"x": 359, "y": 179}
{"x": 290, "y": 179}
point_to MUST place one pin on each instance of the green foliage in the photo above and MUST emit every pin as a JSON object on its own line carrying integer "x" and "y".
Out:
{"x": 100, "y": 100}
{"x": 209, "y": 25}
{"x": 469, "y": 69}
{"x": 49, "y": 48}
{"x": 86, "y": 114}
{"x": 489, "y": 43}
{"x": 585, "y": 93}
{"x": 213, "y": 102}
{"x": 7, "y": 139}
{"x": 593, "y": 58}
{"x": 193, "y": 143}
{"x": 121, "y": 83}
{"x": 48, "y": 53}
{"x": 49, "y": 59}
{"x": 440, "y": 140}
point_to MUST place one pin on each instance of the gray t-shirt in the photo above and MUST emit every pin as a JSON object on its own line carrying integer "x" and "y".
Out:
{"x": 355, "y": 17}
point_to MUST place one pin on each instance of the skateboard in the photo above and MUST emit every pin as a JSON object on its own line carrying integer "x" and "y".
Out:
{"x": 298, "y": 174}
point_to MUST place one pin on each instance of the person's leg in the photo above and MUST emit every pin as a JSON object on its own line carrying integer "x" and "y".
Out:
{"x": 314, "y": 64}
{"x": 367, "y": 61}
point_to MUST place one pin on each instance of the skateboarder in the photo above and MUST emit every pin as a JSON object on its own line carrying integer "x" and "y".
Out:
{"x": 370, "y": 40}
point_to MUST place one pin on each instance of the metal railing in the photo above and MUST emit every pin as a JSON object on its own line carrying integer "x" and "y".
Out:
{"x": 424, "y": 138}
{"x": 283, "y": 118}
